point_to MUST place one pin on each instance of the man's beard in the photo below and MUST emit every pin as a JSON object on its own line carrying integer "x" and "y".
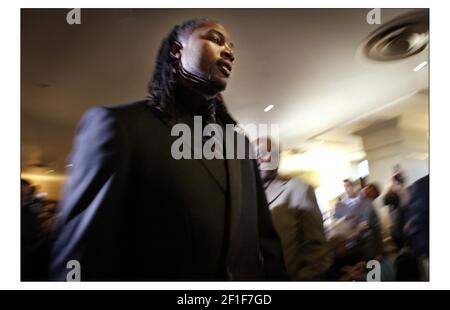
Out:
{"x": 203, "y": 82}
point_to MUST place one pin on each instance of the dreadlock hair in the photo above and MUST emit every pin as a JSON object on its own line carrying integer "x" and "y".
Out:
{"x": 161, "y": 88}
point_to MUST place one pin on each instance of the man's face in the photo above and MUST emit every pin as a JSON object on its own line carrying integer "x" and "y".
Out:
{"x": 208, "y": 52}
{"x": 349, "y": 189}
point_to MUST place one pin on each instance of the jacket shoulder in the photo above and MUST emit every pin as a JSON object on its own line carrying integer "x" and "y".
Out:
{"x": 132, "y": 113}
{"x": 300, "y": 194}
{"x": 130, "y": 108}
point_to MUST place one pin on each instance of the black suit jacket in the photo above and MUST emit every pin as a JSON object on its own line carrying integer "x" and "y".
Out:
{"x": 132, "y": 212}
{"x": 418, "y": 213}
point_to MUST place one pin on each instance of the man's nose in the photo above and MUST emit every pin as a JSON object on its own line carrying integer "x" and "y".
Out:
{"x": 228, "y": 54}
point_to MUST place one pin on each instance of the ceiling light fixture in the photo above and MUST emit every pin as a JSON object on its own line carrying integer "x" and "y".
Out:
{"x": 268, "y": 108}
{"x": 420, "y": 66}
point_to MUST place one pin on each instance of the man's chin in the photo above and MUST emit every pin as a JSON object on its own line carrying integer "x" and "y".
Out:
{"x": 219, "y": 84}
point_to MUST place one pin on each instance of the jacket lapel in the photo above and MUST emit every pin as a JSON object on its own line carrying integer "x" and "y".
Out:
{"x": 237, "y": 186}
{"x": 214, "y": 167}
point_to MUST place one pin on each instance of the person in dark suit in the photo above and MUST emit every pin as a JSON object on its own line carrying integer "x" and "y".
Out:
{"x": 131, "y": 211}
{"x": 397, "y": 215}
{"x": 418, "y": 226}
{"x": 33, "y": 243}
{"x": 415, "y": 261}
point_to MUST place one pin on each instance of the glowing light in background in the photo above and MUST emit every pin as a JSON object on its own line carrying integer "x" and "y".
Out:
{"x": 420, "y": 66}
{"x": 363, "y": 169}
{"x": 332, "y": 167}
{"x": 268, "y": 108}
{"x": 42, "y": 178}
{"x": 48, "y": 185}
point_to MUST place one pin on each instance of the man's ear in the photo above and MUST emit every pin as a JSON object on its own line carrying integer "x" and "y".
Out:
{"x": 175, "y": 50}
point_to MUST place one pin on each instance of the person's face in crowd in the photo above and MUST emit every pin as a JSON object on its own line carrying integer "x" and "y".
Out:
{"x": 264, "y": 155}
{"x": 349, "y": 189}
{"x": 208, "y": 52}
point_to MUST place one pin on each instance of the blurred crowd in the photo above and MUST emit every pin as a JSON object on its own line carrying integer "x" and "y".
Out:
{"x": 356, "y": 236}
{"x": 37, "y": 216}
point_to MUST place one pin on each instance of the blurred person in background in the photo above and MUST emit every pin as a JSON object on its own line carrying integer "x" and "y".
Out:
{"x": 346, "y": 202}
{"x": 397, "y": 214}
{"x": 131, "y": 211}
{"x": 34, "y": 248}
{"x": 397, "y": 185}
{"x": 409, "y": 212}
{"x": 365, "y": 243}
{"x": 296, "y": 217}
{"x": 356, "y": 209}
{"x": 368, "y": 227}
{"x": 418, "y": 224}
{"x": 406, "y": 262}
{"x": 351, "y": 197}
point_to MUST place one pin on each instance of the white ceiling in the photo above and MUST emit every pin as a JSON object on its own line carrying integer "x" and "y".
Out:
{"x": 305, "y": 62}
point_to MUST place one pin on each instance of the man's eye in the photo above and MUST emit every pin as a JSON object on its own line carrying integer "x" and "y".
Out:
{"x": 215, "y": 40}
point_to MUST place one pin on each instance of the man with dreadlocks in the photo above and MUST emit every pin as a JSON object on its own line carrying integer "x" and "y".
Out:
{"x": 130, "y": 211}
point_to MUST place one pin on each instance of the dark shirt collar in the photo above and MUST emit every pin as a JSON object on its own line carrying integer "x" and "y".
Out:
{"x": 193, "y": 103}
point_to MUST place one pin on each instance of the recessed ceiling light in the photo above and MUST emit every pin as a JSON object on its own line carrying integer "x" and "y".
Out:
{"x": 268, "y": 108}
{"x": 420, "y": 66}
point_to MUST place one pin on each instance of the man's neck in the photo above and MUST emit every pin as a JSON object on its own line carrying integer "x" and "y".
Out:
{"x": 191, "y": 101}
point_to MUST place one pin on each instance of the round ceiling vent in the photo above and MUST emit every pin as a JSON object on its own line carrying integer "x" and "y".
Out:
{"x": 400, "y": 38}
